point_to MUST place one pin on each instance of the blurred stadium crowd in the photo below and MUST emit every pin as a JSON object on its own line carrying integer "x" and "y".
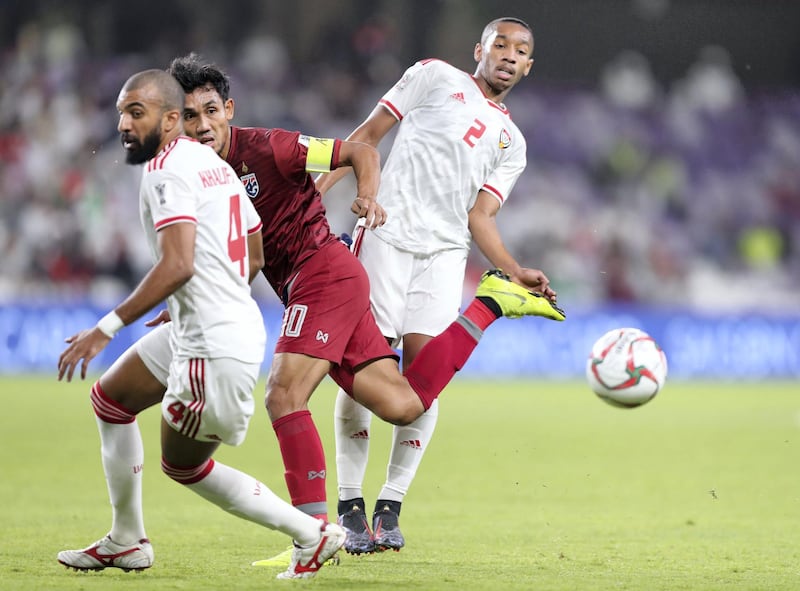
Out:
{"x": 687, "y": 195}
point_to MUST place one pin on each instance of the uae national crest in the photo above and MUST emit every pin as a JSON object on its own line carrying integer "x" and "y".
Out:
{"x": 250, "y": 183}
{"x": 505, "y": 139}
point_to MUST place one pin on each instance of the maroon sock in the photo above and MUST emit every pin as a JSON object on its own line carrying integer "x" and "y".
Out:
{"x": 480, "y": 314}
{"x": 439, "y": 360}
{"x": 304, "y": 462}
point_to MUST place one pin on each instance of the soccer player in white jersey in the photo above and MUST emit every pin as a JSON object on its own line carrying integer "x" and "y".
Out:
{"x": 454, "y": 161}
{"x": 202, "y": 366}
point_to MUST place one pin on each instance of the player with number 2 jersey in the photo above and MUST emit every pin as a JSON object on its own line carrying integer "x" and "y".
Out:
{"x": 454, "y": 160}
{"x": 453, "y": 142}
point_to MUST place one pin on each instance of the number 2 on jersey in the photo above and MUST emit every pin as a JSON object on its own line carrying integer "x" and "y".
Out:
{"x": 237, "y": 243}
{"x": 474, "y": 133}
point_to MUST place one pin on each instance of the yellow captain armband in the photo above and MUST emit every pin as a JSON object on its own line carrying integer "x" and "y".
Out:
{"x": 320, "y": 153}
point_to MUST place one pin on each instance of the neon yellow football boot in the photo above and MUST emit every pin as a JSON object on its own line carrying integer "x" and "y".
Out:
{"x": 284, "y": 559}
{"x": 514, "y": 300}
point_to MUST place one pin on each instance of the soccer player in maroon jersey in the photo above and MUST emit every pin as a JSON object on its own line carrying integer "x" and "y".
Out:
{"x": 328, "y": 327}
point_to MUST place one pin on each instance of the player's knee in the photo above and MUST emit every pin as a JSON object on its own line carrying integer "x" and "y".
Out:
{"x": 280, "y": 401}
{"x": 184, "y": 475}
{"x": 401, "y": 414}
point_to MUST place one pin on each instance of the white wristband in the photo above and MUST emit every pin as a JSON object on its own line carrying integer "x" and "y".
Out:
{"x": 110, "y": 324}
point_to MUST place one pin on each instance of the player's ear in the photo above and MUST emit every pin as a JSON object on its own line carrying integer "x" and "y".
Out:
{"x": 528, "y": 67}
{"x": 172, "y": 118}
{"x": 477, "y": 52}
{"x": 230, "y": 107}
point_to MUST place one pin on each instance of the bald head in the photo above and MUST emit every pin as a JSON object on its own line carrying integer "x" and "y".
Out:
{"x": 164, "y": 84}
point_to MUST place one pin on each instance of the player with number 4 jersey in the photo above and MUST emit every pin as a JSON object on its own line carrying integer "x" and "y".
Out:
{"x": 188, "y": 183}
{"x": 203, "y": 365}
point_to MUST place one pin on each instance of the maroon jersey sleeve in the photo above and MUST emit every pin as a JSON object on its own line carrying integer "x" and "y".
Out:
{"x": 291, "y": 152}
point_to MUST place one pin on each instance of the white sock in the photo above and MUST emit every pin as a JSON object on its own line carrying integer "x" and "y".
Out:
{"x": 408, "y": 446}
{"x": 351, "y": 423}
{"x": 123, "y": 458}
{"x": 244, "y": 496}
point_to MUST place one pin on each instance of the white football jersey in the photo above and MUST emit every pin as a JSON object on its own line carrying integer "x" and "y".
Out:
{"x": 451, "y": 143}
{"x": 213, "y": 314}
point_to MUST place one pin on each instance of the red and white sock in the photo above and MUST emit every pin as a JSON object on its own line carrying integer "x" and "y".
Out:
{"x": 244, "y": 496}
{"x": 122, "y": 454}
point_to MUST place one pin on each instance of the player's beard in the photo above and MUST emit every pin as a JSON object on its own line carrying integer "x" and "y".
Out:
{"x": 146, "y": 149}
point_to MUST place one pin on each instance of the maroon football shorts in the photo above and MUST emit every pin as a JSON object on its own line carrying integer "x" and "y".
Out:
{"x": 328, "y": 314}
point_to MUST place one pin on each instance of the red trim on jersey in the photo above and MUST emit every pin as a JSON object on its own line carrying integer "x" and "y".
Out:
{"x": 499, "y": 106}
{"x": 493, "y": 191}
{"x": 175, "y": 220}
{"x": 157, "y": 162}
{"x": 256, "y": 228}
{"x": 358, "y": 238}
{"x": 391, "y": 108}
{"x": 337, "y": 146}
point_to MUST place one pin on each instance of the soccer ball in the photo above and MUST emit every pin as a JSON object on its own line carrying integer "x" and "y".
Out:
{"x": 626, "y": 367}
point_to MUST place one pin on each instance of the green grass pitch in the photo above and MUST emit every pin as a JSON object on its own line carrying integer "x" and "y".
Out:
{"x": 526, "y": 485}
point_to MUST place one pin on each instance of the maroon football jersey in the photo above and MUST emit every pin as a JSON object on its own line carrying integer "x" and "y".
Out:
{"x": 272, "y": 165}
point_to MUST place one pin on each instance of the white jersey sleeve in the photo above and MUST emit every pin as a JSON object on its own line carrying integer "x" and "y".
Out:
{"x": 169, "y": 198}
{"x": 451, "y": 143}
{"x": 409, "y": 91}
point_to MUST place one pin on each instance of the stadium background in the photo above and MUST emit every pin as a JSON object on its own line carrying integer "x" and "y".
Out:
{"x": 662, "y": 191}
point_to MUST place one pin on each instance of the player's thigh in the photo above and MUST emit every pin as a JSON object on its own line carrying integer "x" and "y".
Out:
{"x": 390, "y": 271}
{"x": 180, "y": 451}
{"x": 210, "y": 400}
{"x": 435, "y": 292}
{"x": 136, "y": 380}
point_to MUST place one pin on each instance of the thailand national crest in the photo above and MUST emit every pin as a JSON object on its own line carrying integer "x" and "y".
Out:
{"x": 250, "y": 183}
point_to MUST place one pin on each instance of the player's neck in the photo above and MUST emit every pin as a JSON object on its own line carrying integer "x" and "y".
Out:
{"x": 489, "y": 92}
{"x": 226, "y": 147}
{"x": 169, "y": 137}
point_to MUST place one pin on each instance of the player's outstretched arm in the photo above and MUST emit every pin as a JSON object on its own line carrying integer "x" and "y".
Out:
{"x": 483, "y": 227}
{"x": 174, "y": 268}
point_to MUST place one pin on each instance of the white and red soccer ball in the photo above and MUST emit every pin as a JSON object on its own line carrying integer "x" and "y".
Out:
{"x": 626, "y": 367}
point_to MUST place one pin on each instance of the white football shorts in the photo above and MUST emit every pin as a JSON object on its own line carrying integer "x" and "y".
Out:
{"x": 210, "y": 399}
{"x": 155, "y": 351}
{"x": 411, "y": 293}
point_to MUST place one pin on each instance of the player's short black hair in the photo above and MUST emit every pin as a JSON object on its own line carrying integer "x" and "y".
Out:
{"x": 492, "y": 25}
{"x": 192, "y": 72}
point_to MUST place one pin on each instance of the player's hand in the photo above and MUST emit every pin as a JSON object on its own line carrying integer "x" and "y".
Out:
{"x": 162, "y": 318}
{"x": 82, "y": 346}
{"x": 369, "y": 209}
{"x": 535, "y": 281}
